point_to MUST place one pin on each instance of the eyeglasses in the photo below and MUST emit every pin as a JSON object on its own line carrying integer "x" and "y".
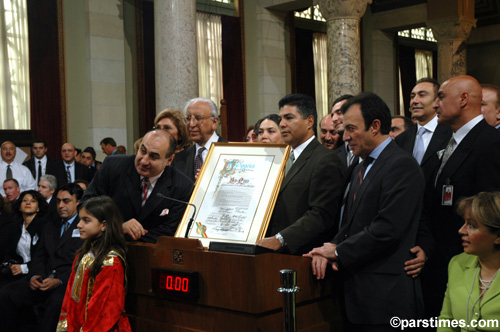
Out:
{"x": 195, "y": 118}
{"x": 165, "y": 127}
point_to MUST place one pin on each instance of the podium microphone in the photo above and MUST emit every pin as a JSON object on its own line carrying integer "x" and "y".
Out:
{"x": 190, "y": 223}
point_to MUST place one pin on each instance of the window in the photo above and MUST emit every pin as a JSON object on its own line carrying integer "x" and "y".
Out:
{"x": 14, "y": 65}
{"x": 311, "y": 13}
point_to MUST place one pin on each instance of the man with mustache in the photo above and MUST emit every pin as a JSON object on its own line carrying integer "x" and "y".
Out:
{"x": 10, "y": 169}
{"x": 304, "y": 213}
{"x": 201, "y": 121}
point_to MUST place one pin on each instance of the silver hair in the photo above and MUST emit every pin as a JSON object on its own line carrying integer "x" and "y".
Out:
{"x": 213, "y": 108}
{"x": 51, "y": 179}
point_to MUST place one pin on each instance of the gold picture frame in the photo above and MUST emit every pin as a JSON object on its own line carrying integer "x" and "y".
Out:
{"x": 235, "y": 193}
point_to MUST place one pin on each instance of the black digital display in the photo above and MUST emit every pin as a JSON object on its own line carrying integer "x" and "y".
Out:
{"x": 177, "y": 283}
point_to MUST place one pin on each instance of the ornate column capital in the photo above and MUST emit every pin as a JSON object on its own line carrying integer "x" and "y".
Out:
{"x": 354, "y": 9}
{"x": 449, "y": 28}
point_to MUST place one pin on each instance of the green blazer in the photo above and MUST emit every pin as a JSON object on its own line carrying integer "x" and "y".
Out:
{"x": 461, "y": 272}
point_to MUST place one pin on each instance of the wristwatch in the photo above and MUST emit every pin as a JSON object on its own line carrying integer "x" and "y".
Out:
{"x": 281, "y": 239}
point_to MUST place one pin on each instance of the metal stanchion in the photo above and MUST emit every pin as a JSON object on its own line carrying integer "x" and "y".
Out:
{"x": 289, "y": 288}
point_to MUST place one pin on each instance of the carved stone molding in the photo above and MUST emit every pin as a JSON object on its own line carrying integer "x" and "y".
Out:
{"x": 331, "y": 9}
{"x": 452, "y": 28}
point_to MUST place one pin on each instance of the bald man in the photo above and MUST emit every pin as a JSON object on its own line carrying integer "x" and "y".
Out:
{"x": 134, "y": 183}
{"x": 10, "y": 169}
{"x": 69, "y": 170}
{"x": 490, "y": 105}
{"x": 469, "y": 164}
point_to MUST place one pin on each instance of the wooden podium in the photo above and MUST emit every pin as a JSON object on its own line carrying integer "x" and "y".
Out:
{"x": 236, "y": 292}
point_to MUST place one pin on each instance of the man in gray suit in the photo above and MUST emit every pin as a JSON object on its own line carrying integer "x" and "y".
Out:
{"x": 305, "y": 210}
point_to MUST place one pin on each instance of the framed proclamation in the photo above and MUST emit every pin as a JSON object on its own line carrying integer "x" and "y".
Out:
{"x": 235, "y": 193}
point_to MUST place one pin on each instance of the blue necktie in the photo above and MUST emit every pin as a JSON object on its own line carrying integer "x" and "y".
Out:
{"x": 419, "y": 151}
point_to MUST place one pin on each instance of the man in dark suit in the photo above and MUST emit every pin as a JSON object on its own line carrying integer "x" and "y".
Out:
{"x": 108, "y": 146}
{"x": 40, "y": 164}
{"x": 69, "y": 170}
{"x": 47, "y": 186}
{"x": 433, "y": 137}
{"x": 490, "y": 105}
{"x": 423, "y": 141}
{"x": 133, "y": 182}
{"x": 88, "y": 160}
{"x": 399, "y": 125}
{"x": 201, "y": 120}
{"x": 343, "y": 151}
{"x": 50, "y": 268}
{"x": 469, "y": 165}
{"x": 307, "y": 200}
{"x": 380, "y": 221}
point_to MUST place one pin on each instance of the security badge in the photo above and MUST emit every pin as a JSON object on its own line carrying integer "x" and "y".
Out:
{"x": 447, "y": 194}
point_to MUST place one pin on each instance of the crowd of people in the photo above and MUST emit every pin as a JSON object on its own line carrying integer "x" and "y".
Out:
{"x": 391, "y": 204}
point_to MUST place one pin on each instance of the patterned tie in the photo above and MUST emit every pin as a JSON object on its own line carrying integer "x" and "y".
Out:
{"x": 68, "y": 174}
{"x": 447, "y": 153}
{"x": 419, "y": 151}
{"x": 290, "y": 161}
{"x": 39, "y": 171}
{"x": 64, "y": 227}
{"x": 198, "y": 161}
{"x": 361, "y": 174}
{"x": 8, "y": 176}
{"x": 350, "y": 193}
{"x": 145, "y": 188}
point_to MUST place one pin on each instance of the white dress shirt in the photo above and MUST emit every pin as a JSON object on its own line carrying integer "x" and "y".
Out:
{"x": 427, "y": 136}
{"x": 213, "y": 139}
{"x": 19, "y": 172}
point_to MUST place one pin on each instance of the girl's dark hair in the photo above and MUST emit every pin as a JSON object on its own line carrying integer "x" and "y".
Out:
{"x": 43, "y": 207}
{"x": 103, "y": 209}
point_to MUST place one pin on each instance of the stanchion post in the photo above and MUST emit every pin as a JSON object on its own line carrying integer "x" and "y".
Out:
{"x": 289, "y": 288}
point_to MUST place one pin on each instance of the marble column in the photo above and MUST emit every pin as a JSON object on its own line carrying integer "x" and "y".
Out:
{"x": 344, "y": 58}
{"x": 451, "y": 33}
{"x": 176, "y": 60}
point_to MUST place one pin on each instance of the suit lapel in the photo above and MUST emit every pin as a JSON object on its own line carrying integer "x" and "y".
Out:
{"x": 190, "y": 153}
{"x": 376, "y": 167}
{"x": 440, "y": 138}
{"x": 461, "y": 152}
{"x": 162, "y": 186}
{"x": 409, "y": 144}
{"x": 68, "y": 234}
{"x": 133, "y": 187}
{"x": 493, "y": 292}
{"x": 299, "y": 163}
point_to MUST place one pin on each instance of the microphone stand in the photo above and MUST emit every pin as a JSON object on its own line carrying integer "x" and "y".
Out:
{"x": 190, "y": 223}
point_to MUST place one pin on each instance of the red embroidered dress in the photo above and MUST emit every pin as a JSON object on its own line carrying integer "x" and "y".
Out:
{"x": 95, "y": 305}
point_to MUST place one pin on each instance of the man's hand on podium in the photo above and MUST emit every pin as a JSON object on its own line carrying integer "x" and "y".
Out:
{"x": 134, "y": 229}
{"x": 270, "y": 243}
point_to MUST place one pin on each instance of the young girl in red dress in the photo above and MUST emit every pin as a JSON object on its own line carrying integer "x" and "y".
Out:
{"x": 95, "y": 296}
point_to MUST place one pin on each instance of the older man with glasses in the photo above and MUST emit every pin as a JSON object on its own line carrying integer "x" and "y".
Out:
{"x": 201, "y": 121}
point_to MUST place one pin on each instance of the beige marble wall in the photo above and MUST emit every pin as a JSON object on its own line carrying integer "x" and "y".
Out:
{"x": 95, "y": 72}
{"x": 273, "y": 63}
{"x": 107, "y": 71}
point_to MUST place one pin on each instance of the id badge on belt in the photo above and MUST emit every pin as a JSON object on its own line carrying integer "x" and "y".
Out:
{"x": 447, "y": 195}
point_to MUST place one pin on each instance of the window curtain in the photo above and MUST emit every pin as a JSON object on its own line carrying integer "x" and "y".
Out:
{"x": 209, "y": 39}
{"x": 423, "y": 63}
{"x": 14, "y": 65}
{"x": 320, "y": 73}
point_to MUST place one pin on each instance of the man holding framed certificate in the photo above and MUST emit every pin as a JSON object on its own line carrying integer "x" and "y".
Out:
{"x": 307, "y": 202}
